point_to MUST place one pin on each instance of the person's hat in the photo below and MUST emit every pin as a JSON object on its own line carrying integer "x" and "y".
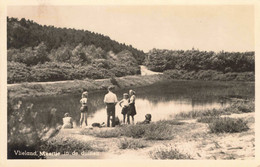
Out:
{"x": 66, "y": 114}
{"x": 111, "y": 87}
{"x": 131, "y": 91}
{"x": 85, "y": 93}
{"x": 125, "y": 94}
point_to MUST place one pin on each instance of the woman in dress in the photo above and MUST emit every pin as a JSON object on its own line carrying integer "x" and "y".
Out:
{"x": 132, "y": 110}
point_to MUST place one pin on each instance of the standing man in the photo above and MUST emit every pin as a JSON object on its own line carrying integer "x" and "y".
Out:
{"x": 110, "y": 100}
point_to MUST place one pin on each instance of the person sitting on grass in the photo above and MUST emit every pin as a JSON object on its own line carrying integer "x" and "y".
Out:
{"x": 124, "y": 103}
{"x": 67, "y": 121}
{"x": 148, "y": 119}
{"x": 84, "y": 108}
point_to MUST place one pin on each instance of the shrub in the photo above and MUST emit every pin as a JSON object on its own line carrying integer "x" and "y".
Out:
{"x": 168, "y": 153}
{"x": 245, "y": 107}
{"x": 17, "y": 72}
{"x": 159, "y": 131}
{"x": 68, "y": 145}
{"x": 24, "y": 129}
{"x": 103, "y": 133}
{"x": 135, "y": 131}
{"x": 174, "y": 74}
{"x": 153, "y": 131}
{"x": 229, "y": 125}
{"x": 114, "y": 81}
{"x": 131, "y": 144}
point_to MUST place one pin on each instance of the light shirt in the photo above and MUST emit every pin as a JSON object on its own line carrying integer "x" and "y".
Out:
{"x": 84, "y": 101}
{"x": 132, "y": 99}
{"x": 67, "y": 122}
{"x": 124, "y": 102}
{"x": 110, "y": 97}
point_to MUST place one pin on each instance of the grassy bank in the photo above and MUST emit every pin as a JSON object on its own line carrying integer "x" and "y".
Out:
{"x": 28, "y": 89}
{"x": 210, "y": 75}
{"x": 237, "y": 107}
{"x": 76, "y": 86}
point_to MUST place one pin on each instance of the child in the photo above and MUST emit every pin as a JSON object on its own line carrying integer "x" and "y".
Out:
{"x": 67, "y": 121}
{"x": 124, "y": 103}
{"x": 84, "y": 108}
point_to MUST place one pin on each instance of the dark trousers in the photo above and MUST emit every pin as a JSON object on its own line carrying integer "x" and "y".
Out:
{"x": 111, "y": 112}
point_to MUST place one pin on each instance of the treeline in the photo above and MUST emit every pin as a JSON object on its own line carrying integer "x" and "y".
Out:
{"x": 26, "y": 33}
{"x": 33, "y": 56}
{"x": 195, "y": 60}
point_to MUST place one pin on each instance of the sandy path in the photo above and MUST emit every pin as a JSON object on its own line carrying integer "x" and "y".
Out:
{"x": 145, "y": 71}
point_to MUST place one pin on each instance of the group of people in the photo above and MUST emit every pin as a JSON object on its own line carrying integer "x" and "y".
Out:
{"x": 110, "y": 99}
{"x": 127, "y": 104}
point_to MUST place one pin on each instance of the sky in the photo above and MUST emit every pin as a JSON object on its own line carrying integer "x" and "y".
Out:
{"x": 203, "y": 27}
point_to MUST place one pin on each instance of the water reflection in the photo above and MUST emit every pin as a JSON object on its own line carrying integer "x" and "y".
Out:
{"x": 161, "y": 100}
{"x": 159, "y": 110}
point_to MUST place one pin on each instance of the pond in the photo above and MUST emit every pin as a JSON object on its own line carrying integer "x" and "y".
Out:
{"x": 162, "y": 100}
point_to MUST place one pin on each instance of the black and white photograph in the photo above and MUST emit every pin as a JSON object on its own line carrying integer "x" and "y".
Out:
{"x": 130, "y": 81}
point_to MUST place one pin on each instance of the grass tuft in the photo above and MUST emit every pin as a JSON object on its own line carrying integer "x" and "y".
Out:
{"x": 135, "y": 131}
{"x": 153, "y": 131}
{"x": 131, "y": 144}
{"x": 168, "y": 153}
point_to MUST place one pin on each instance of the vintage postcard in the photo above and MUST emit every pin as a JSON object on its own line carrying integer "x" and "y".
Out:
{"x": 129, "y": 83}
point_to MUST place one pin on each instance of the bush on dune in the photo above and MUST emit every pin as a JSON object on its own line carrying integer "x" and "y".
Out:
{"x": 168, "y": 152}
{"x": 227, "y": 125}
{"x": 131, "y": 144}
{"x": 17, "y": 72}
{"x": 58, "y": 71}
{"x": 159, "y": 132}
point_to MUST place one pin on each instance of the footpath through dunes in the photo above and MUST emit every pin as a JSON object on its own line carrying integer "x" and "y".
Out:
{"x": 192, "y": 140}
{"x": 145, "y": 71}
